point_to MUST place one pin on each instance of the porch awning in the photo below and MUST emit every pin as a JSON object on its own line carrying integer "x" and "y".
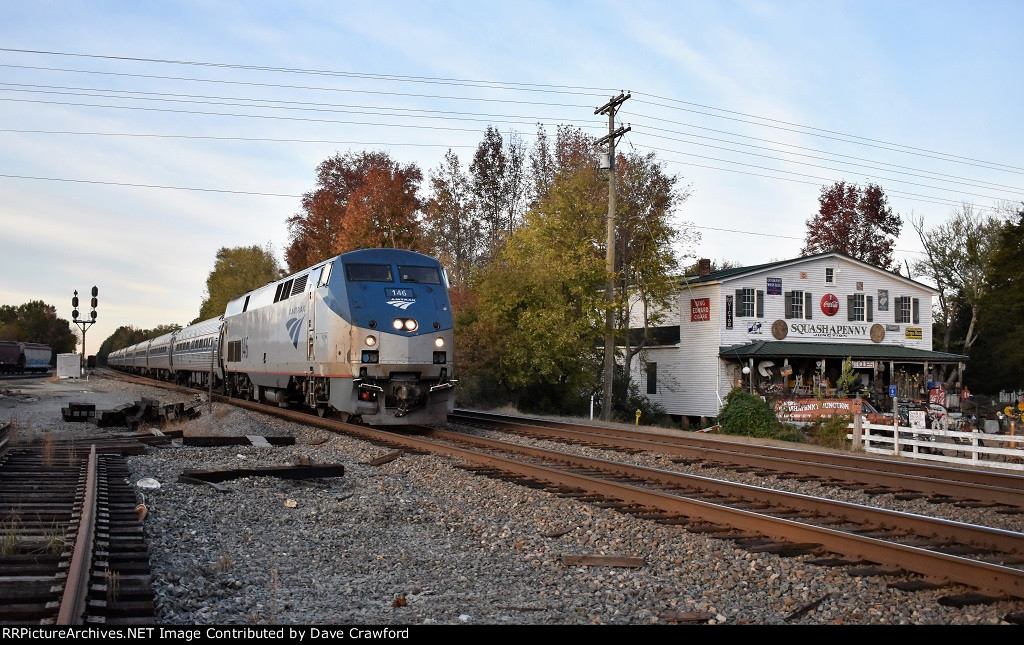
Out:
{"x": 860, "y": 351}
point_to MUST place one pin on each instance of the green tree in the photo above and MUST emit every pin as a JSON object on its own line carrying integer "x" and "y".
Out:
{"x": 126, "y": 336}
{"x": 957, "y": 254}
{"x": 648, "y": 242}
{"x": 498, "y": 179}
{"x": 236, "y": 271}
{"x": 452, "y": 222}
{"x": 540, "y": 305}
{"x": 998, "y": 353}
{"x": 541, "y": 302}
{"x": 37, "y": 322}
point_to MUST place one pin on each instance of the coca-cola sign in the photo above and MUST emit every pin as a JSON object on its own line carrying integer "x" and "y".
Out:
{"x": 829, "y": 304}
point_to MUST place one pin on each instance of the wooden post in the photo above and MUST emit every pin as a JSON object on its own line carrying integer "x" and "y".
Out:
{"x": 858, "y": 419}
{"x": 895, "y": 425}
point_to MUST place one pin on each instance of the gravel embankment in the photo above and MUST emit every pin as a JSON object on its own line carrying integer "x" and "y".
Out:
{"x": 419, "y": 541}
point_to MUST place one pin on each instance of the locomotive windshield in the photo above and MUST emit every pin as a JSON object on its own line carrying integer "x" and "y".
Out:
{"x": 369, "y": 272}
{"x": 423, "y": 275}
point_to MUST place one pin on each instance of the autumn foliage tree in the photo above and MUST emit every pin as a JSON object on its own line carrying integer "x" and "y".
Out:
{"x": 362, "y": 199}
{"x": 854, "y": 221}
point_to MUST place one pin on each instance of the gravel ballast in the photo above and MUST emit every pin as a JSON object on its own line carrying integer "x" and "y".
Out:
{"x": 421, "y": 541}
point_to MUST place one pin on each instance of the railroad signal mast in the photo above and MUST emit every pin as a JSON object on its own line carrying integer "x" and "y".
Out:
{"x": 84, "y": 323}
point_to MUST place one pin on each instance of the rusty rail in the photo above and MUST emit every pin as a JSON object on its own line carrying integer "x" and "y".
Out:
{"x": 72, "y": 604}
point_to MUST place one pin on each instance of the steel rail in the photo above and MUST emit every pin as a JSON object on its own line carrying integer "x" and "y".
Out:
{"x": 76, "y": 587}
{"x": 997, "y": 479}
{"x": 990, "y": 578}
{"x": 818, "y": 464}
{"x": 1010, "y": 542}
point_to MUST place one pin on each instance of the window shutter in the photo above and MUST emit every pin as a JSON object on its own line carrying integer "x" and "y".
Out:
{"x": 739, "y": 303}
{"x": 808, "y": 308}
{"x": 849, "y": 307}
{"x": 869, "y": 310}
{"x": 899, "y": 310}
{"x": 788, "y": 295}
{"x": 917, "y": 311}
{"x": 760, "y": 303}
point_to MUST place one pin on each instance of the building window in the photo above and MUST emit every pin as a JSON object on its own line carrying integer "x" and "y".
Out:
{"x": 830, "y": 275}
{"x": 749, "y": 303}
{"x": 859, "y": 307}
{"x": 798, "y": 305}
{"x": 652, "y": 378}
{"x": 908, "y": 310}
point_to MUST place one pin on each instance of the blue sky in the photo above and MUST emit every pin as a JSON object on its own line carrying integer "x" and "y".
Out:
{"x": 920, "y": 97}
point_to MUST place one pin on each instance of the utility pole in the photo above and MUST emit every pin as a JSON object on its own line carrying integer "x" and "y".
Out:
{"x": 610, "y": 108}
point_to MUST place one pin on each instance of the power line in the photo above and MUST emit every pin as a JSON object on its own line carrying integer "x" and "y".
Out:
{"x": 526, "y": 87}
{"x": 239, "y": 102}
{"x": 822, "y": 152}
{"x": 829, "y": 134}
{"x": 131, "y": 185}
{"x": 295, "y": 87}
{"x": 741, "y": 163}
{"x": 221, "y": 138}
{"x": 276, "y": 117}
{"x": 551, "y": 88}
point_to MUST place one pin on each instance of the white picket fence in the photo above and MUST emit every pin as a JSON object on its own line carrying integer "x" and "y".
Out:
{"x": 964, "y": 448}
{"x": 1010, "y": 397}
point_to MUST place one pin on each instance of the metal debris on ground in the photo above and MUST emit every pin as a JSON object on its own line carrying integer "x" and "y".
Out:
{"x": 282, "y": 472}
{"x": 148, "y": 483}
{"x": 183, "y": 479}
{"x": 247, "y": 440}
{"x": 687, "y": 617}
{"x": 806, "y": 608}
{"x": 601, "y": 561}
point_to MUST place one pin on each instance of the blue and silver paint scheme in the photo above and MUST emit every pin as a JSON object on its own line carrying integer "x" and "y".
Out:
{"x": 327, "y": 337}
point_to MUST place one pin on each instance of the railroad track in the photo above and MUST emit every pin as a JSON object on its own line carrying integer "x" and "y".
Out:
{"x": 869, "y": 541}
{"x": 921, "y": 552}
{"x": 72, "y": 548}
{"x": 969, "y": 488}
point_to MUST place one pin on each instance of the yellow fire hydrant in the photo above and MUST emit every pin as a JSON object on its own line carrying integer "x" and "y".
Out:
{"x": 638, "y": 417}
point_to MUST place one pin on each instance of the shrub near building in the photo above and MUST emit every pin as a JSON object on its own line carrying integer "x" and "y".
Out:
{"x": 749, "y": 415}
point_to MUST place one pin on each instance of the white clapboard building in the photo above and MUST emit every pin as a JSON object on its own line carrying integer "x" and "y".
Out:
{"x": 790, "y": 324}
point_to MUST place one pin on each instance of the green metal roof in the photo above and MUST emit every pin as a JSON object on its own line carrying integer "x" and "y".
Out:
{"x": 789, "y": 349}
{"x": 724, "y": 274}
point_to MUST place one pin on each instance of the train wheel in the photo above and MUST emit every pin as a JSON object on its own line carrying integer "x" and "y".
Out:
{"x": 321, "y": 410}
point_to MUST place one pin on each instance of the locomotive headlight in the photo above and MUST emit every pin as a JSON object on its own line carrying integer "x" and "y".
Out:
{"x": 371, "y": 341}
{"x": 439, "y": 342}
{"x": 398, "y": 324}
{"x": 410, "y": 325}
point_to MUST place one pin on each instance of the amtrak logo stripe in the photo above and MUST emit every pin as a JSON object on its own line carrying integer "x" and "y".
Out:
{"x": 294, "y": 326}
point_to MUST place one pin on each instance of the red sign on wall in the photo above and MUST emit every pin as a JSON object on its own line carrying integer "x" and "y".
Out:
{"x": 700, "y": 309}
{"x": 829, "y": 304}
